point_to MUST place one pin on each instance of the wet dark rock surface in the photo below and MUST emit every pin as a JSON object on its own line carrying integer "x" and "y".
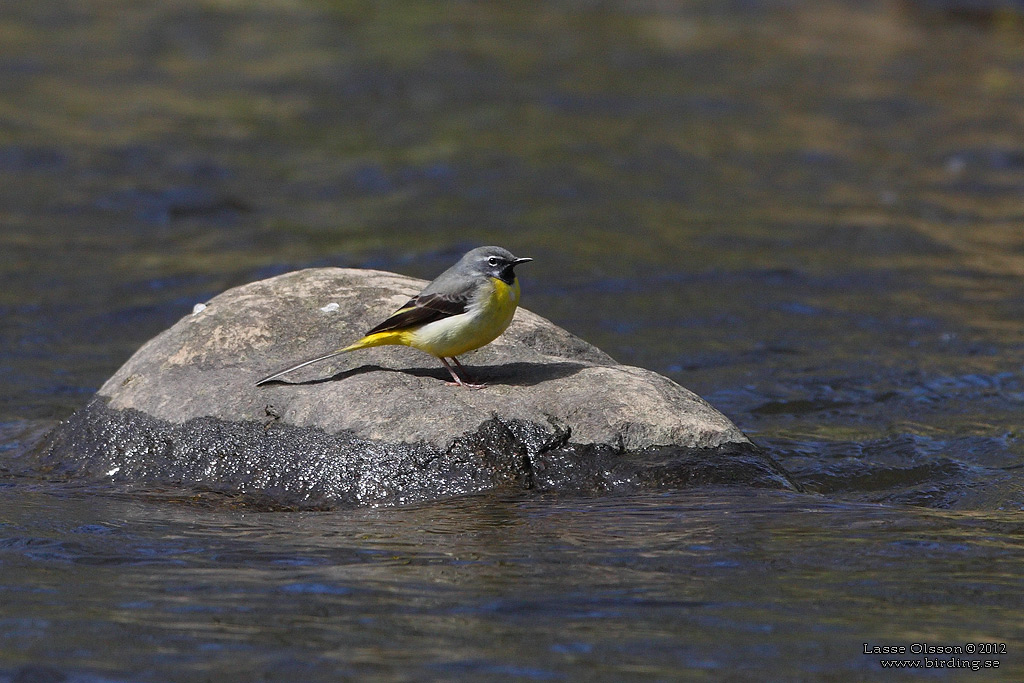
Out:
{"x": 382, "y": 426}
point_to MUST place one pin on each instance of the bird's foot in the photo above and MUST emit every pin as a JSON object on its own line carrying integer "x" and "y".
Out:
{"x": 466, "y": 384}
{"x": 458, "y": 380}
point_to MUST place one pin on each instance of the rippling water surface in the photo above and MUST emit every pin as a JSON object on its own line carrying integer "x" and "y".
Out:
{"x": 809, "y": 213}
{"x": 708, "y": 583}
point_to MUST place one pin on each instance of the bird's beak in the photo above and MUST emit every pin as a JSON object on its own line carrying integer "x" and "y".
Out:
{"x": 521, "y": 260}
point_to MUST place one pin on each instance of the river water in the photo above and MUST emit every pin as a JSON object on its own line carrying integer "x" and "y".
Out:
{"x": 808, "y": 213}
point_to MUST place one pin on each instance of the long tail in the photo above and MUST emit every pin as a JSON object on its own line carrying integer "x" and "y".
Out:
{"x": 379, "y": 339}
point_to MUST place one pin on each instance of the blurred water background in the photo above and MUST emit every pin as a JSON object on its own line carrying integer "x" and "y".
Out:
{"x": 807, "y": 212}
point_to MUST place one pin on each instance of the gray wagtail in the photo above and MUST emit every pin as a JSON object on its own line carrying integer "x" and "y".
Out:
{"x": 466, "y": 307}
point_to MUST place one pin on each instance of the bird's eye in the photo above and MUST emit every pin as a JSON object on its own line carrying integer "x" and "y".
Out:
{"x": 493, "y": 261}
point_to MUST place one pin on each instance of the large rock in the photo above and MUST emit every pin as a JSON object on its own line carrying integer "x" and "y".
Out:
{"x": 382, "y": 426}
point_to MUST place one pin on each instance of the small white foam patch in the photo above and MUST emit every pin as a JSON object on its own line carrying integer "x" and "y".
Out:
{"x": 113, "y": 471}
{"x": 330, "y": 308}
{"x": 198, "y": 308}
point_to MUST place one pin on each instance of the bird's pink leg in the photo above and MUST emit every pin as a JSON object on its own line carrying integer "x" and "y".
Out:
{"x": 455, "y": 376}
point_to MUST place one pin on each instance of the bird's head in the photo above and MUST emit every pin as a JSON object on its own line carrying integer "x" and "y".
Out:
{"x": 494, "y": 262}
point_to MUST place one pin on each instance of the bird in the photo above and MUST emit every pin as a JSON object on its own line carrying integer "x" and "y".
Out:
{"x": 465, "y": 307}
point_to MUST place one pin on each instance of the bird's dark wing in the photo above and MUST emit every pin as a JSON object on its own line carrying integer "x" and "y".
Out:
{"x": 422, "y": 309}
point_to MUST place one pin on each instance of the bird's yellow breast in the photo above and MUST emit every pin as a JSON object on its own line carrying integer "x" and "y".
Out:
{"x": 504, "y": 298}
